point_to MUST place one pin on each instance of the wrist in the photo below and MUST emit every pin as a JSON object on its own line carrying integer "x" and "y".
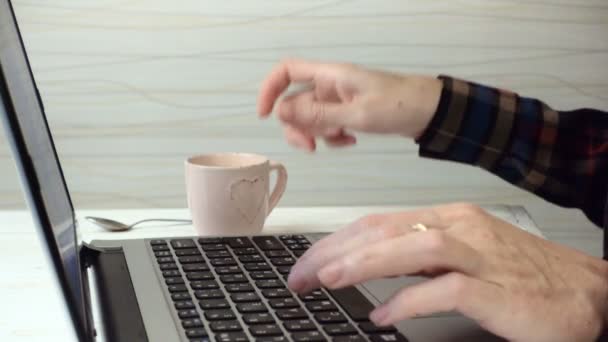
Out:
{"x": 428, "y": 94}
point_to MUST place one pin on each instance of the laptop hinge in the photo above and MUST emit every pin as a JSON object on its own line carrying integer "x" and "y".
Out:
{"x": 120, "y": 314}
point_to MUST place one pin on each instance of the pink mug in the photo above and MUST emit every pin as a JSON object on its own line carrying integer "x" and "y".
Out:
{"x": 228, "y": 193}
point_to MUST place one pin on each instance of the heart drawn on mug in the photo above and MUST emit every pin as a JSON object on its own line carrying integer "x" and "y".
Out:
{"x": 248, "y": 196}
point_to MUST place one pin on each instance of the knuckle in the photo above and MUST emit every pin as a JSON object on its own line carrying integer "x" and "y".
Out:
{"x": 457, "y": 285}
{"x": 317, "y": 110}
{"x": 435, "y": 241}
{"x": 468, "y": 210}
{"x": 372, "y": 220}
{"x": 387, "y": 232}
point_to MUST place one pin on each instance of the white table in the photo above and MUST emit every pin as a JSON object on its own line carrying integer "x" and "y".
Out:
{"x": 31, "y": 309}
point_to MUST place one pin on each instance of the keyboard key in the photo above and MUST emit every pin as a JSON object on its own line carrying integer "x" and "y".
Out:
{"x": 171, "y": 273}
{"x": 231, "y": 337}
{"x": 269, "y": 284}
{"x": 165, "y": 260}
{"x": 330, "y": 317}
{"x": 353, "y": 302}
{"x": 238, "y": 242}
{"x": 191, "y": 259}
{"x": 299, "y": 247}
{"x": 325, "y": 305}
{"x": 244, "y": 297}
{"x": 199, "y": 275}
{"x": 308, "y": 336}
{"x": 299, "y": 253}
{"x": 258, "y": 266}
{"x": 157, "y": 242}
{"x": 209, "y": 294}
{"x": 285, "y": 270}
{"x": 313, "y": 296}
{"x": 286, "y": 261}
{"x": 258, "y": 318}
{"x": 202, "y": 339}
{"x": 184, "y": 304}
{"x": 210, "y": 304}
{"x": 182, "y": 243}
{"x": 223, "y": 262}
{"x": 209, "y": 240}
{"x": 204, "y": 284}
{"x": 267, "y": 243}
{"x": 189, "y": 313}
{"x": 257, "y": 275}
{"x": 251, "y": 307}
{"x": 276, "y": 293}
{"x": 390, "y": 337}
{"x": 174, "y": 281}
{"x": 302, "y": 240}
{"x": 278, "y": 254}
{"x": 245, "y": 251}
{"x": 196, "y": 332}
{"x": 222, "y": 326}
{"x": 249, "y": 258}
{"x": 213, "y": 247}
{"x": 370, "y": 327}
{"x": 283, "y": 303}
{"x": 177, "y": 288}
{"x": 349, "y": 338}
{"x": 217, "y": 254}
{"x": 162, "y": 254}
{"x": 241, "y": 287}
{"x": 219, "y": 315}
{"x": 185, "y": 252}
{"x": 227, "y": 270}
{"x": 265, "y": 330}
{"x": 192, "y": 323}
{"x": 287, "y": 314}
{"x": 300, "y": 325}
{"x": 160, "y": 248}
{"x": 180, "y": 296}
{"x": 233, "y": 278}
{"x": 340, "y": 329}
{"x": 271, "y": 339}
{"x": 195, "y": 267}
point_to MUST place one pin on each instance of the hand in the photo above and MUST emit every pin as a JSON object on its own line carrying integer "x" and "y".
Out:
{"x": 343, "y": 98}
{"x": 514, "y": 284}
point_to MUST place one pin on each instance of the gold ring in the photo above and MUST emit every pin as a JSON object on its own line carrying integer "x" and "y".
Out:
{"x": 419, "y": 227}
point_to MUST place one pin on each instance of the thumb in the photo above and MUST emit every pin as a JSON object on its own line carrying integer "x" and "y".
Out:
{"x": 303, "y": 110}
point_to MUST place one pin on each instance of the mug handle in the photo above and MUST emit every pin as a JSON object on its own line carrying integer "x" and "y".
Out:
{"x": 279, "y": 187}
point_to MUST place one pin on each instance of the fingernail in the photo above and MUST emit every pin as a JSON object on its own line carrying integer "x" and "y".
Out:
{"x": 379, "y": 315}
{"x": 296, "y": 281}
{"x": 331, "y": 274}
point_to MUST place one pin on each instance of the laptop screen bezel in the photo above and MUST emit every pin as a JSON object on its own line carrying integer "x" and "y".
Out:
{"x": 31, "y": 187}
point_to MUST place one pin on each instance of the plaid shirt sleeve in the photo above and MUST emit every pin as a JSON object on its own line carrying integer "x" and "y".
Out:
{"x": 562, "y": 156}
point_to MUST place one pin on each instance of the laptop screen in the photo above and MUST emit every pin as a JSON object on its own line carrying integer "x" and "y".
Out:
{"x": 37, "y": 161}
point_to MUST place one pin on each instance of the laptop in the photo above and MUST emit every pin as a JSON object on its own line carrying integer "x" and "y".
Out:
{"x": 181, "y": 289}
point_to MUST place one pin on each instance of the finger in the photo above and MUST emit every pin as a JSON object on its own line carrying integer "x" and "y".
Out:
{"x": 403, "y": 255}
{"x": 279, "y": 78}
{"x": 299, "y": 139}
{"x": 303, "y": 275}
{"x": 479, "y": 300}
{"x": 341, "y": 139}
{"x": 362, "y": 232}
{"x": 303, "y": 110}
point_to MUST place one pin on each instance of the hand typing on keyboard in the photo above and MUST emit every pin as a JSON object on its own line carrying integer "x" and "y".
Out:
{"x": 511, "y": 282}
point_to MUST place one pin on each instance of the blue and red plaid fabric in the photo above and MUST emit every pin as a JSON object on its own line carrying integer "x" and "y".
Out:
{"x": 562, "y": 156}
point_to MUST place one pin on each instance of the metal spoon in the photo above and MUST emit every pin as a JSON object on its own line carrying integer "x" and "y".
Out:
{"x": 115, "y": 226}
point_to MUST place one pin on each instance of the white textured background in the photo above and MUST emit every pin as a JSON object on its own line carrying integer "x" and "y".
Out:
{"x": 133, "y": 87}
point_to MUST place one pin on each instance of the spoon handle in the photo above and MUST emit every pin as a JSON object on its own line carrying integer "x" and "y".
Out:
{"x": 160, "y": 220}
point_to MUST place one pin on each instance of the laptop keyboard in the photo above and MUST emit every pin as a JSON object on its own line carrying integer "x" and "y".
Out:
{"x": 234, "y": 289}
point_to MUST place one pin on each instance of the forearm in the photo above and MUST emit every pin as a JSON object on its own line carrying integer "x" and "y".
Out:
{"x": 560, "y": 156}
